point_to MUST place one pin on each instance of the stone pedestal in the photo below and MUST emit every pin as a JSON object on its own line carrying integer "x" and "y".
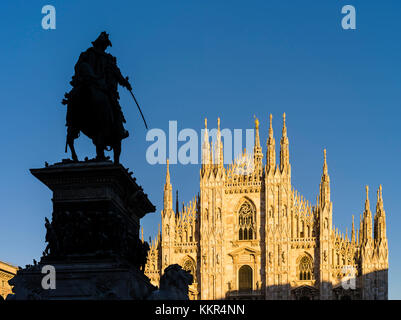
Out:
{"x": 93, "y": 238}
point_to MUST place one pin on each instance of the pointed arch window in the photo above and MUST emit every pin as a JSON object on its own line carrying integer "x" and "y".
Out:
{"x": 305, "y": 268}
{"x": 191, "y": 237}
{"x": 302, "y": 234}
{"x": 246, "y": 222}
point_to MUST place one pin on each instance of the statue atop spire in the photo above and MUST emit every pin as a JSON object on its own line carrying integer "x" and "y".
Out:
{"x": 257, "y": 139}
{"x": 284, "y": 126}
{"x": 271, "y": 127}
{"x": 325, "y": 169}
{"x": 256, "y": 123}
{"x": 168, "y": 172}
{"x": 379, "y": 205}
{"x": 367, "y": 204}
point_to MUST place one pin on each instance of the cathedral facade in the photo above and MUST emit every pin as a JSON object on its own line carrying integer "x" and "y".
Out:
{"x": 7, "y": 272}
{"x": 249, "y": 234}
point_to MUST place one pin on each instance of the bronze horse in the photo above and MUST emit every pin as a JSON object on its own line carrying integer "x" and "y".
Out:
{"x": 94, "y": 117}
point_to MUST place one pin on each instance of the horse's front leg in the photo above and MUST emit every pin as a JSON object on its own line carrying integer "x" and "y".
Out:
{"x": 70, "y": 141}
{"x": 100, "y": 146}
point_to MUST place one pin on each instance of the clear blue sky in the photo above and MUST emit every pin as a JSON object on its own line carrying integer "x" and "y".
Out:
{"x": 195, "y": 59}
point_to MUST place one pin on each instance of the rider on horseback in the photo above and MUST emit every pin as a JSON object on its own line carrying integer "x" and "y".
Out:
{"x": 93, "y": 103}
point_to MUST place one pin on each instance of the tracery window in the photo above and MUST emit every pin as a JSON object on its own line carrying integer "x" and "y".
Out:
{"x": 189, "y": 265}
{"x": 246, "y": 222}
{"x": 305, "y": 268}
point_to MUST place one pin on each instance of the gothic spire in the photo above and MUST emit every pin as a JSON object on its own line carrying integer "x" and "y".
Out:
{"x": 271, "y": 126}
{"x": 218, "y": 154}
{"x": 271, "y": 149}
{"x": 257, "y": 150}
{"x": 367, "y": 218}
{"x": 353, "y": 230}
{"x": 379, "y": 205}
{"x": 257, "y": 139}
{"x": 168, "y": 193}
{"x": 284, "y": 151}
{"x": 168, "y": 173}
{"x": 205, "y": 147}
{"x": 325, "y": 182}
{"x": 380, "y": 218}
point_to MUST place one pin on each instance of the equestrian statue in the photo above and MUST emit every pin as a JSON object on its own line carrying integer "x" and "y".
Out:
{"x": 93, "y": 106}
